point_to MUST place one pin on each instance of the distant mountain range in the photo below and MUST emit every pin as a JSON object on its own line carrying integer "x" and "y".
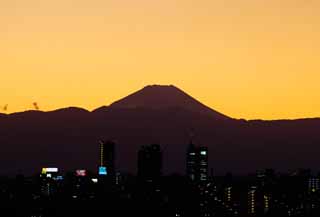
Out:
{"x": 68, "y": 138}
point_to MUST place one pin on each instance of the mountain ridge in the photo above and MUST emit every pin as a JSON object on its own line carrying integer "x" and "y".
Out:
{"x": 68, "y": 138}
{"x": 123, "y": 103}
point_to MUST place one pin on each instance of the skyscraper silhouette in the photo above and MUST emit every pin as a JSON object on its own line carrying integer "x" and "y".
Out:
{"x": 197, "y": 163}
{"x": 107, "y": 157}
{"x": 150, "y": 162}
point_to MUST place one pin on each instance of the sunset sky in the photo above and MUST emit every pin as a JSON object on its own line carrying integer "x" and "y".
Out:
{"x": 245, "y": 58}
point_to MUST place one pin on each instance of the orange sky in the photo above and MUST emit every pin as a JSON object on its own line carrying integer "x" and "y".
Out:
{"x": 245, "y": 58}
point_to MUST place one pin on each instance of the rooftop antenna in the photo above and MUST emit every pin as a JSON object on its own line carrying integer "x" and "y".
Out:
{"x": 192, "y": 135}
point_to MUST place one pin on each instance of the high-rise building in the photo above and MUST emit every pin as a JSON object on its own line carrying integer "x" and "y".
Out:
{"x": 252, "y": 201}
{"x": 313, "y": 184}
{"x": 107, "y": 158}
{"x": 265, "y": 184}
{"x": 48, "y": 178}
{"x": 150, "y": 162}
{"x": 197, "y": 163}
{"x": 203, "y": 163}
{"x": 192, "y": 162}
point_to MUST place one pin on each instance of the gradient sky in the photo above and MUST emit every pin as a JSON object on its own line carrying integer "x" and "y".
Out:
{"x": 245, "y": 58}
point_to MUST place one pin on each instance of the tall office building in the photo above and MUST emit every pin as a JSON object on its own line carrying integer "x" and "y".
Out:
{"x": 150, "y": 162}
{"x": 191, "y": 162}
{"x": 197, "y": 163}
{"x": 203, "y": 163}
{"x": 252, "y": 201}
{"x": 313, "y": 184}
{"x": 265, "y": 184}
{"x": 107, "y": 158}
{"x": 48, "y": 181}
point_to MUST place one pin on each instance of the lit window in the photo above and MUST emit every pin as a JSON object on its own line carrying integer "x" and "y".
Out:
{"x": 203, "y": 153}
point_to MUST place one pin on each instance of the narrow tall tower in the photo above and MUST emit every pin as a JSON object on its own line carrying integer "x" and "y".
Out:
{"x": 107, "y": 157}
{"x": 191, "y": 162}
{"x": 197, "y": 163}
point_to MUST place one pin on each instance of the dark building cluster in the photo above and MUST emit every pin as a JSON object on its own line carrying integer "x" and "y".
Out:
{"x": 197, "y": 193}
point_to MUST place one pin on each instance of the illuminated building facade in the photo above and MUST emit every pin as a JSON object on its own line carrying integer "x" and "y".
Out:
{"x": 266, "y": 202}
{"x": 265, "y": 183}
{"x": 252, "y": 201}
{"x": 228, "y": 195}
{"x": 313, "y": 184}
{"x": 313, "y": 192}
{"x": 49, "y": 178}
{"x": 197, "y": 163}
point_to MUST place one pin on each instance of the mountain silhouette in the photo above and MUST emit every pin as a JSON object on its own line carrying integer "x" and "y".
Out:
{"x": 68, "y": 138}
{"x": 165, "y": 97}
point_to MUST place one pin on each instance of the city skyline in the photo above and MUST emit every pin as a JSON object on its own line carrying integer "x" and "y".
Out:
{"x": 160, "y": 108}
{"x": 249, "y": 59}
{"x": 262, "y": 193}
{"x": 163, "y": 115}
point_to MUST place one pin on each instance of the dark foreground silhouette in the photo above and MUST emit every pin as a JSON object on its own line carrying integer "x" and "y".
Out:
{"x": 262, "y": 194}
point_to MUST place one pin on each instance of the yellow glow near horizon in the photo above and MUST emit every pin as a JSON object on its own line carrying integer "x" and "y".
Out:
{"x": 245, "y": 58}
